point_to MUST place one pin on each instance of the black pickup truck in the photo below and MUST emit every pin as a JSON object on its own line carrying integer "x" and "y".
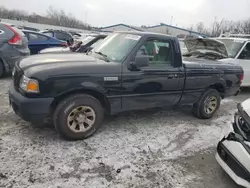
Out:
{"x": 127, "y": 71}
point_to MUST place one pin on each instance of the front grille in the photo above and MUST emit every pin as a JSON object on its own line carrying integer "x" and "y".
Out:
{"x": 241, "y": 126}
{"x": 233, "y": 163}
{"x": 17, "y": 76}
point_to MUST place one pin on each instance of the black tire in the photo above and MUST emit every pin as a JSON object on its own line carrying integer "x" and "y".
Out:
{"x": 199, "y": 106}
{"x": 64, "y": 109}
{"x": 1, "y": 69}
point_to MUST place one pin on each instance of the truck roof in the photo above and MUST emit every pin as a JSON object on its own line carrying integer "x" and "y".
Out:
{"x": 149, "y": 34}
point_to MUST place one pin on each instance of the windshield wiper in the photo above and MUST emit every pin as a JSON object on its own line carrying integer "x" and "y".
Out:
{"x": 103, "y": 55}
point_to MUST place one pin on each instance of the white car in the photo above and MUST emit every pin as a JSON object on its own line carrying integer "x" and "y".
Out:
{"x": 238, "y": 49}
{"x": 233, "y": 151}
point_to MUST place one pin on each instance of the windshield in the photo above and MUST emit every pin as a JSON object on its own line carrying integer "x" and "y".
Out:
{"x": 117, "y": 46}
{"x": 96, "y": 43}
{"x": 87, "y": 39}
{"x": 233, "y": 46}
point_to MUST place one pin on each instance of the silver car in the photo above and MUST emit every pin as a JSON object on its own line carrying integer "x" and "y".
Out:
{"x": 13, "y": 47}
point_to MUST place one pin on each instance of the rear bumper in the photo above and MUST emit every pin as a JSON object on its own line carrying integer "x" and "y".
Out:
{"x": 233, "y": 91}
{"x": 35, "y": 110}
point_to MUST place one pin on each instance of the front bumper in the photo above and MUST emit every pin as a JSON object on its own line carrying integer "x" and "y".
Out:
{"x": 234, "y": 157}
{"x": 35, "y": 110}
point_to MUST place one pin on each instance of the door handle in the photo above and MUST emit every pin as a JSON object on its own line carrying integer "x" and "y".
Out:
{"x": 171, "y": 76}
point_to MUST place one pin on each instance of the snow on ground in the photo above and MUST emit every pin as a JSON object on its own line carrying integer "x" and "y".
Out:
{"x": 134, "y": 149}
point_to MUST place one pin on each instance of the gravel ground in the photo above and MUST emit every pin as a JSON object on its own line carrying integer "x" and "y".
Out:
{"x": 153, "y": 148}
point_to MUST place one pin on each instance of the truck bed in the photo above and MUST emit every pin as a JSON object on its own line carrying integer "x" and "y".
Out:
{"x": 200, "y": 63}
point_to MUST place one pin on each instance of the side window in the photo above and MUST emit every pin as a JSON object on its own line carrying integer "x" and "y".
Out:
{"x": 37, "y": 37}
{"x": 159, "y": 52}
{"x": 245, "y": 54}
{"x": 50, "y": 34}
{"x": 61, "y": 36}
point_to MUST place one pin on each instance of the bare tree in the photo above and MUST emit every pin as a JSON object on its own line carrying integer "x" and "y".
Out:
{"x": 54, "y": 17}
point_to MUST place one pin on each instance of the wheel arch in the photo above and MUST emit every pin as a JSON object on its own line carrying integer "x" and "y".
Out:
{"x": 220, "y": 87}
{"x": 100, "y": 96}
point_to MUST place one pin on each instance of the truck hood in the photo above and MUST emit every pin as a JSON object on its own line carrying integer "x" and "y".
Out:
{"x": 43, "y": 66}
{"x": 57, "y": 58}
{"x": 205, "y": 45}
{"x": 55, "y": 49}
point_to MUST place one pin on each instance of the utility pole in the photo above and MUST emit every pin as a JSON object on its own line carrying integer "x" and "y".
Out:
{"x": 86, "y": 16}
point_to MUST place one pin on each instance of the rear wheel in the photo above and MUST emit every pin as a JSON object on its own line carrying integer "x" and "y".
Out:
{"x": 78, "y": 116}
{"x": 208, "y": 104}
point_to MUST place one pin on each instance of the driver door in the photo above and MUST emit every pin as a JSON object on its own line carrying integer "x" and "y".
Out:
{"x": 155, "y": 85}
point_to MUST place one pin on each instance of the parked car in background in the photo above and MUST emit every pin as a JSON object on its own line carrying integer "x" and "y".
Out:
{"x": 29, "y": 28}
{"x": 60, "y": 35}
{"x": 75, "y": 89}
{"x": 13, "y": 47}
{"x": 38, "y": 41}
{"x": 83, "y": 46}
{"x": 77, "y": 36}
{"x": 233, "y": 151}
{"x": 238, "y": 52}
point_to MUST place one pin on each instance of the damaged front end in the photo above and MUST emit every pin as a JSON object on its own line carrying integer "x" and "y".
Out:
{"x": 233, "y": 151}
{"x": 206, "y": 48}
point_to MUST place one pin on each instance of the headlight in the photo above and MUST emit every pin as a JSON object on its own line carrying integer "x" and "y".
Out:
{"x": 29, "y": 85}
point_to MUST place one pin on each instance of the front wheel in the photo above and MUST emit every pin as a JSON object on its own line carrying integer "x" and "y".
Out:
{"x": 78, "y": 116}
{"x": 208, "y": 104}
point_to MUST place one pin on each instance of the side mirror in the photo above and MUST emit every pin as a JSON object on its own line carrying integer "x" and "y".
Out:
{"x": 141, "y": 61}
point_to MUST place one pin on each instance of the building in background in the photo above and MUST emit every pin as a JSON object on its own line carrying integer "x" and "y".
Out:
{"x": 119, "y": 27}
{"x": 161, "y": 28}
{"x": 173, "y": 30}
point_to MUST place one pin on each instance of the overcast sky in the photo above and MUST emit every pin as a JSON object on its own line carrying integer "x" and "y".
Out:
{"x": 140, "y": 12}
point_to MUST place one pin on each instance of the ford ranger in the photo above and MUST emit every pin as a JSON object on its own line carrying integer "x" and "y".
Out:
{"x": 127, "y": 71}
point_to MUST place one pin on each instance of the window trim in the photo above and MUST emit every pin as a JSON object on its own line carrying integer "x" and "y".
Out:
{"x": 37, "y": 34}
{"x": 46, "y": 32}
{"x": 160, "y": 40}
